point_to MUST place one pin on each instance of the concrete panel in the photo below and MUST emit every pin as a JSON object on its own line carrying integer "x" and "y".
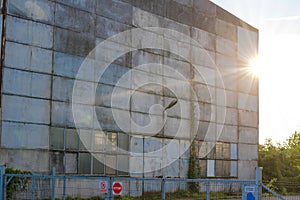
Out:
{"x": 151, "y": 145}
{"x": 154, "y": 82}
{"x": 204, "y": 75}
{"x": 177, "y": 88}
{"x": 227, "y": 79}
{"x": 207, "y": 131}
{"x": 108, "y": 122}
{"x": 152, "y": 168}
{"x": 202, "y": 57}
{"x": 247, "y": 102}
{"x": 226, "y": 47}
{"x": 87, "y": 5}
{"x": 114, "y": 73}
{"x": 207, "y": 112}
{"x": 229, "y": 114}
{"x": 171, "y": 170}
{"x": 136, "y": 144}
{"x": 143, "y": 57}
{"x": 178, "y": 27}
{"x": 205, "y": 39}
{"x": 178, "y": 128}
{"x": 26, "y": 83}
{"x": 246, "y": 169}
{"x": 29, "y": 32}
{"x": 107, "y": 28}
{"x": 205, "y": 93}
{"x": 248, "y": 135}
{"x": 180, "y": 110}
{"x": 147, "y": 124}
{"x": 116, "y": 10}
{"x": 26, "y": 109}
{"x": 226, "y": 63}
{"x": 143, "y": 102}
{"x": 66, "y": 65}
{"x": 247, "y": 44}
{"x": 73, "y": 43}
{"x": 156, "y": 7}
{"x": 74, "y": 19}
{"x": 228, "y": 133}
{"x": 226, "y": 30}
{"x": 176, "y": 69}
{"x": 24, "y": 159}
{"x": 62, "y": 89}
{"x": 179, "y": 12}
{"x": 62, "y": 114}
{"x": 248, "y": 152}
{"x": 41, "y": 10}
{"x": 206, "y": 7}
{"x": 184, "y": 166}
{"x": 184, "y": 150}
{"x": 29, "y": 58}
{"x": 204, "y": 22}
{"x": 142, "y": 19}
{"x": 136, "y": 166}
{"x": 26, "y": 136}
{"x": 226, "y": 98}
{"x": 170, "y": 150}
{"x": 104, "y": 96}
{"x": 248, "y": 118}
{"x": 247, "y": 83}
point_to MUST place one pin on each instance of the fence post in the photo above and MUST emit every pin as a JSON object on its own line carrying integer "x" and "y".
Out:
{"x": 53, "y": 184}
{"x": 2, "y": 172}
{"x": 163, "y": 192}
{"x": 258, "y": 181}
{"x": 32, "y": 187}
{"x": 207, "y": 190}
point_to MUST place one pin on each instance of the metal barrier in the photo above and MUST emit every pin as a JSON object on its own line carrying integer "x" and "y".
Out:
{"x": 39, "y": 186}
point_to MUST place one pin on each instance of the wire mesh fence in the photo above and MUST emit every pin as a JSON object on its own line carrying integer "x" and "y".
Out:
{"x": 38, "y": 186}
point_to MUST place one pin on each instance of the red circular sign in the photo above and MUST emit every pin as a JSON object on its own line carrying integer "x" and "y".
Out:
{"x": 117, "y": 188}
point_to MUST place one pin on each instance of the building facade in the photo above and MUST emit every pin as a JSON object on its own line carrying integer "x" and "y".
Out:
{"x": 199, "y": 82}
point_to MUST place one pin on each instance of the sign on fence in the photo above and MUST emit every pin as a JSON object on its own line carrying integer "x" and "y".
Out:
{"x": 117, "y": 188}
{"x": 103, "y": 187}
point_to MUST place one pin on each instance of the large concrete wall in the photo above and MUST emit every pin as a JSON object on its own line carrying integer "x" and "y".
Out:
{"x": 46, "y": 41}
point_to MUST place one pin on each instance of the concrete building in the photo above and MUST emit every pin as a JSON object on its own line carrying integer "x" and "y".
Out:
{"x": 44, "y": 45}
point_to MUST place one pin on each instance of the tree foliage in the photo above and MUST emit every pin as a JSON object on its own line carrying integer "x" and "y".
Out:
{"x": 282, "y": 163}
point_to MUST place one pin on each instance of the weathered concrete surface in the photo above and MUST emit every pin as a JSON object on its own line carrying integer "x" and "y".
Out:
{"x": 46, "y": 43}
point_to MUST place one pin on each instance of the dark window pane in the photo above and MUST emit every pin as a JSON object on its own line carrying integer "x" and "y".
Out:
{"x": 219, "y": 150}
{"x": 123, "y": 142}
{"x": 233, "y": 168}
{"x": 71, "y": 139}
{"x": 111, "y": 163}
{"x": 219, "y": 168}
{"x": 202, "y": 164}
{"x": 202, "y": 149}
{"x": 98, "y": 166}
{"x": 99, "y": 141}
{"x": 84, "y": 163}
{"x": 226, "y": 168}
{"x": 56, "y": 160}
{"x": 71, "y": 163}
{"x": 86, "y": 140}
{"x": 57, "y": 138}
{"x": 111, "y": 142}
{"x": 123, "y": 165}
{"x": 226, "y": 151}
{"x": 211, "y": 150}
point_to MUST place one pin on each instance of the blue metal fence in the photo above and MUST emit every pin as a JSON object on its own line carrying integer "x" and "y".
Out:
{"x": 40, "y": 186}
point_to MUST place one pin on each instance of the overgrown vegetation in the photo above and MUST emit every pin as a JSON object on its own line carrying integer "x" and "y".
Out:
{"x": 194, "y": 169}
{"x": 281, "y": 164}
{"x": 16, "y": 183}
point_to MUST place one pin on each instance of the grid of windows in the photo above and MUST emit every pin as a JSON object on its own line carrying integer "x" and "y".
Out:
{"x": 218, "y": 159}
{"x": 86, "y": 151}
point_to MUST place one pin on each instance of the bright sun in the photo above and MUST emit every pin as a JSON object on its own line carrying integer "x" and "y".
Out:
{"x": 256, "y": 66}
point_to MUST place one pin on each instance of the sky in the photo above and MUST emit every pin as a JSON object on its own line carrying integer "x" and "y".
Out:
{"x": 278, "y": 22}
